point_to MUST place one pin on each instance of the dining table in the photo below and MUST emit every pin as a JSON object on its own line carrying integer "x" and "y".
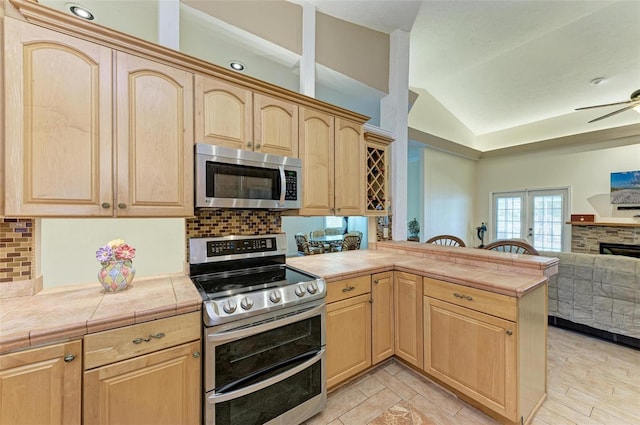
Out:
{"x": 333, "y": 241}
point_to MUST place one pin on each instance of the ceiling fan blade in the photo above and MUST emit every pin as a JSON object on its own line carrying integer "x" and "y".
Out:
{"x": 614, "y": 113}
{"x": 606, "y": 104}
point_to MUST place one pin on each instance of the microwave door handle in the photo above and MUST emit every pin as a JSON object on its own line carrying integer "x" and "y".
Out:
{"x": 283, "y": 185}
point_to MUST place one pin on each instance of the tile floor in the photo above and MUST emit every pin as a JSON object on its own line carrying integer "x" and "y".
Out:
{"x": 590, "y": 382}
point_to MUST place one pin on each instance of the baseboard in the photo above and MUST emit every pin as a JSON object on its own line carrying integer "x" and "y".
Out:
{"x": 598, "y": 333}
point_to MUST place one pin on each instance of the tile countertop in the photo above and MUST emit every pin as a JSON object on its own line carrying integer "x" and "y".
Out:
{"x": 71, "y": 312}
{"x": 504, "y": 273}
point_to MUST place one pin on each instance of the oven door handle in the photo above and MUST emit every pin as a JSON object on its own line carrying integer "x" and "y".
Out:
{"x": 230, "y": 335}
{"x": 220, "y": 398}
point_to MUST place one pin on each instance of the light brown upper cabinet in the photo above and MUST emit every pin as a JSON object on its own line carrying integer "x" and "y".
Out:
{"x": 331, "y": 150}
{"x": 233, "y": 116}
{"x": 62, "y": 157}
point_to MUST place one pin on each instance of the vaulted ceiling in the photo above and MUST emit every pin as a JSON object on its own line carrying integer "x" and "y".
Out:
{"x": 490, "y": 74}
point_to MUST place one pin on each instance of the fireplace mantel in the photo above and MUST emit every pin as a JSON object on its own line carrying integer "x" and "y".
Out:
{"x": 601, "y": 223}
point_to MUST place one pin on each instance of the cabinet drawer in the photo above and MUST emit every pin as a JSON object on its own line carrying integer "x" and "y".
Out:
{"x": 348, "y": 288}
{"x": 476, "y": 299}
{"x": 123, "y": 343}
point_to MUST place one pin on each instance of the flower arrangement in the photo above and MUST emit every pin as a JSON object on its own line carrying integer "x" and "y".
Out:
{"x": 115, "y": 250}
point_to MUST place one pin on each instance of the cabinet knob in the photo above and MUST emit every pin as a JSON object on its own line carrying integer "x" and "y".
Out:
{"x": 509, "y": 332}
{"x": 376, "y": 281}
{"x": 69, "y": 358}
{"x": 258, "y": 145}
{"x": 105, "y": 205}
{"x": 122, "y": 205}
{"x": 196, "y": 354}
{"x": 249, "y": 144}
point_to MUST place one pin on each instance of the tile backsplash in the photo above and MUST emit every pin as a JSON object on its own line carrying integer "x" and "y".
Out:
{"x": 224, "y": 222}
{"x": 17, "y": 249}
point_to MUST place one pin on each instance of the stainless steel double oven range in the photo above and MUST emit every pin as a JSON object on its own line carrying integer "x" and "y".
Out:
{"x": 264, "y": 332}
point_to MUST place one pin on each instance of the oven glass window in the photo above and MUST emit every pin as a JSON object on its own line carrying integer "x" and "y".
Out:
{"x": 259, "y": 355}
{"x": 270, "y": 402}
{"x": 242, "y": 182}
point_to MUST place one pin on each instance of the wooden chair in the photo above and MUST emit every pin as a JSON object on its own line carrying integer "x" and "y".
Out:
{"x": 304, "y": 248}
{"x": 447, "y": 240}
{"x": 513, "y": 246}
{"x": 351, "y": 241}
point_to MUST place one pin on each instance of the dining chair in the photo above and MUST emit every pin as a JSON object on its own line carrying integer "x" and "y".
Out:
{"x": 351, "y": 241}
{"x": 446, "y": 240}
{"x": 304, "y": 248}
{"x": 512, "y": 245}
{"x": 332, "y": 231}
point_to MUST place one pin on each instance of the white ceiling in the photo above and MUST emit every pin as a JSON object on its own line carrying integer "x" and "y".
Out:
{"x": 508, "y": 71}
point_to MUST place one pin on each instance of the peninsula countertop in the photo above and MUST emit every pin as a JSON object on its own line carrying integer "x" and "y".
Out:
{"x": 504, "y": 273}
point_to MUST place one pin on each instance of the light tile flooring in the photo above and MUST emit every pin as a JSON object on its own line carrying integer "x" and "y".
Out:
{"x": 590, "y": 382}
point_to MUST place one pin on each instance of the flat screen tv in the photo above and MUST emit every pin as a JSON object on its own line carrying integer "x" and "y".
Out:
{"x": 625, "y": 187}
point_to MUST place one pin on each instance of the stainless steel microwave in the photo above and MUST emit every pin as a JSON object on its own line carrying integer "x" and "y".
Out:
{"x": 234, "y": 178}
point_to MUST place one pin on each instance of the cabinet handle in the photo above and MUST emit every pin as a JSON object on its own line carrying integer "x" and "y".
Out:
{"x": 196, "y": 354}
{"x": 455, "y": 294}
{"x": 468, "y": 297}
{"x": 348, "y": 288}
{"x": 69, "y": 358}
{"x": 509, "y": 332}
{"x": 122, "y": 205}
{"x": 376, "y": 281}
{"x": 105, "y": 205}
{"x": 152, "y": 336}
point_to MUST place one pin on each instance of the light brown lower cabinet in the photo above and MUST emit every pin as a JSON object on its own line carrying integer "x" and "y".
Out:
{"x": 148, "y": 373}
{"x": 382, "y": 332}
{"x": 407, "y": 290}
{"x": 41, "y": 385}
{"x": 158, "y": 388}
{"x": 489, "y": 347}
{"x": 348, "y": 329}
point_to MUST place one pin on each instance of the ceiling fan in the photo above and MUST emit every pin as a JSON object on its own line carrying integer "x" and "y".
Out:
{"x": 632, "y": 103}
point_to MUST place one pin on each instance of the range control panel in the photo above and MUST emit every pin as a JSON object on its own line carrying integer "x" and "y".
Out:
{"x": 243, "y": 246}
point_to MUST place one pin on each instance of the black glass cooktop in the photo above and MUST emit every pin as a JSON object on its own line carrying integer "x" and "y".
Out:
{"x": 227, "y": 283}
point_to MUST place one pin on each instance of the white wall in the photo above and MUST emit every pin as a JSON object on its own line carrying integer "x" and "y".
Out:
{"x": 586, "y": 170}
{"x": 449, "y": 183}
{"x": 68, "y": 247}
{"x": 415, "y": 188}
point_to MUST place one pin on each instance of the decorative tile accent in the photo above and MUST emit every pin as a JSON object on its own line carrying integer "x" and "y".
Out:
{"x": 17, "y": 243}
{"x": 380, "y": 225}
{"x": 586, "y": 239}
{"x": 224, "y": 222}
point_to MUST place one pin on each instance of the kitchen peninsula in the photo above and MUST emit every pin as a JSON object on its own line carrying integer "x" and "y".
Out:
{"x": 472, "y": 320}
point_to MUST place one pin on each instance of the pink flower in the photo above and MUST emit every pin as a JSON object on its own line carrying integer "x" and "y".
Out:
{"x": 124, "y": 252}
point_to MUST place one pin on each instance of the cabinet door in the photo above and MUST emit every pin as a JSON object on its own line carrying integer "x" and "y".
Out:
{"x": 58, "y": 124}
{"x": 223, "y": 114}
{"x": 382, "y": 339}
{"x": 316, "y": 150}
{"x": 408, "y": 314}
{"x": 158, "y": 388}
{"x": 473, "y": 352}
{"x": 348, "y": 338}
{"x": 154, "y": 139}
{"x": 275, "y": 124}
{"x": 39, "y": 386}
{"x": 349, "y": 169}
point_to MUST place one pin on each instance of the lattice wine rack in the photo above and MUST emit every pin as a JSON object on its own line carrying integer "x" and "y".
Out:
{"x": 377, "y": 169}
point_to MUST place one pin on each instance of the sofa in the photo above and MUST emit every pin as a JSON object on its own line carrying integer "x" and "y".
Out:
{"x": 597, "y": 294}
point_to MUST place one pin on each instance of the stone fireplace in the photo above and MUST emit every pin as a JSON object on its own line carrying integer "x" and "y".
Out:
{"x": 586, "y": 238}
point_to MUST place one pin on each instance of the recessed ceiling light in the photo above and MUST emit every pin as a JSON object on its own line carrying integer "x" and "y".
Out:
{"x": 80, "y": 11}
{"x": 236, "y": 66}
{"x": 598, "y": 81}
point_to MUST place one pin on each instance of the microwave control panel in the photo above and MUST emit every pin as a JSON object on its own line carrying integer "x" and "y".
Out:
{"x": 291, "y": 184}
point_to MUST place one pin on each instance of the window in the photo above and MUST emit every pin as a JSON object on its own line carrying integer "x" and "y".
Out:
{"x": 333, "y": 221}
{"x": 537, "y": 216}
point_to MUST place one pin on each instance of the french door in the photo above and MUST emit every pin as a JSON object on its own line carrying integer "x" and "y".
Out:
{"x": 538, "y": 216}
